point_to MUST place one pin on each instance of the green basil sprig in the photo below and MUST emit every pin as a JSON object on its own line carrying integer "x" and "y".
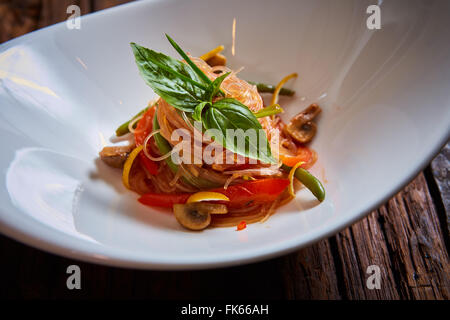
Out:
{"x": 172, "y": 80}
{"x": 185, "y": 87}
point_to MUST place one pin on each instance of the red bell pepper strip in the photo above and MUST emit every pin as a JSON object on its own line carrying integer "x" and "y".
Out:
{"x": 143, "y": 129}
{"x": 258, "y": 191}
{"x": 163, "y": 200}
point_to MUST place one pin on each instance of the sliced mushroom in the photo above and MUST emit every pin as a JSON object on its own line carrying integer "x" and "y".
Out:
{"x": 115, "y": 156}
{"x": 301, "y": 128}
{"x": 197, "y": 215}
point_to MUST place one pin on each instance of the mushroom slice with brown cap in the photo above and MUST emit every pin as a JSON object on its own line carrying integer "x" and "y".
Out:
{"x": 301, "y": 128}
{"x": 197, "y": 215}
{"x": 115, "y": 156}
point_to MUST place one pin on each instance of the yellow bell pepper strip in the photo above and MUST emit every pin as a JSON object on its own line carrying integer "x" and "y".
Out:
{"x": 128, "y": 164}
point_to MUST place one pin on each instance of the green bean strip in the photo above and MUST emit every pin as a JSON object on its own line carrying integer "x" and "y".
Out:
{"x": 269, "y": 111}
{"x": 310, "y": 182}
{"x": 263, "y": 88}
{"x": 123, "y": 129}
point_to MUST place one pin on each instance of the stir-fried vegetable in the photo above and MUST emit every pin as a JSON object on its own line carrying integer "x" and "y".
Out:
{"x": 212, "y": 53}
{"x": 291, "y": 178}
{"x": 268, "y": 88}
{"x": 302, "y": 128}
{"x": 207, "y": 196}
{"x": 163, "y": 199}
{"x": 115, "y": 156}
{"x": 303, "y": 155}
{"x": 143, "y": 129}
{"x": 197, "y": 215}
{"x": 269, "y": 111}
{"x": 309, "y": 181}
{"x": 280, "y": 85}
{"x": 217, "y": 60}
{"x": 123, "y": 128}
{"x": 256, "y": 191}
{"x": 128, "y": 164}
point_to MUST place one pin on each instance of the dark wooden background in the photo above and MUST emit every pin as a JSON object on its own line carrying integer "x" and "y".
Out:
{"x": 408, "y": 237}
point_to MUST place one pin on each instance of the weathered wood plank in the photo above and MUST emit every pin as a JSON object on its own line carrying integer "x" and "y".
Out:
{"x": 415, "y": 237}
{"x": 310, "y": 273}
{"x": 360, "y": 246}
{"x": 404, "y": 239}
{"x": 440, "y": 167}
{"x": 18, "y": 17}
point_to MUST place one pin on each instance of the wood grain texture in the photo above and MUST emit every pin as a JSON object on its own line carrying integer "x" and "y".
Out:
{"x": 440, "y": 167}
{"x": 311, "y": 273}
{"x": 404, "y": 238}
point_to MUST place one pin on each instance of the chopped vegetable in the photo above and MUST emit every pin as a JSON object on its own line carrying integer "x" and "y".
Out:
{"x": 291, "y": 178}
{"x": 128, "y": 164}
{"x": 163, "y": 199}
{"x": 190, "y": 217}
{"x": 207, "y": 196}
{"x": 241, "y": 226}
{"x": 280, "y": 85}
{"x": 268, "y": 88}
{"x": 301, "y": 128}
{"x": 303, "y": 155}
{"x": 217, "y": 60}
{"x": 143, "y": 129}
{"x": 261, "y": 191}
{"x": 309, "y": 181}
{"x": 197, "y": 215}
{"x": 115, "y": 156}
{"x": 212, "y": 53}
{"x": 123, "y": 128}
{"x": 149, "y": 164}
{"x": 269, "y": 111}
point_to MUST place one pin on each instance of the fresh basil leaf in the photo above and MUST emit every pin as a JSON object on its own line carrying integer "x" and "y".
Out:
{"x": 172, "y": 80}
{"x": 197, "y": 115}
{"x": 188, "y": 60}
{"x": 214, "y": 87}
{"x": 194, "y": 67}
{"x": 229, "y": 113}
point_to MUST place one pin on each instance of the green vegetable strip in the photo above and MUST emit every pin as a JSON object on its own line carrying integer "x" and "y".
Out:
{"x": 269, "y": 111}
{"x": 190, "y": 62}
{"x": 310, "y": 182}
{"x": 123, "y": 129}
{"x": 164, "y": 147}
{"x": 168, "y": 69}
{"x": 263, "y": 88}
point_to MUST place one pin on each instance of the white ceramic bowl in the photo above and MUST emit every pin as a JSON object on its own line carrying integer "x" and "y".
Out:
{"x": 385, "y": 96}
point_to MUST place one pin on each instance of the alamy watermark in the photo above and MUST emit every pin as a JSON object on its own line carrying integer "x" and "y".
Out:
{"x": 74, "y": 280}
{"x": 374, "y": 20}
{"x": 74, "y": 20}
{"x": 374, "y": 279}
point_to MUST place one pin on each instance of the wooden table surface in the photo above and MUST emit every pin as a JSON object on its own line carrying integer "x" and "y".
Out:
{"x": 408, "y": 237}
